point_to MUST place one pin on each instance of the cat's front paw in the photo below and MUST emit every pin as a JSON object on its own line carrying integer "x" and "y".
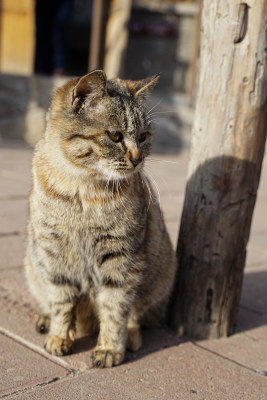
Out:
{"x": 106, "y": 358}
{"x": 57, "y": 346}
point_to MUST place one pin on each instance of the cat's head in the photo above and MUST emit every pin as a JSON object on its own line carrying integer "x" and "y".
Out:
{"x": 101, "y": 125}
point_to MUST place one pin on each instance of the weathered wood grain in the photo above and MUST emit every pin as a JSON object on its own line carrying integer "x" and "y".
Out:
{"x": 228, "y": 141}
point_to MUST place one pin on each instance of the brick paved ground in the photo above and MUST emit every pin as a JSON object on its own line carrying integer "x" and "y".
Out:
{"x": 166, "y": 367}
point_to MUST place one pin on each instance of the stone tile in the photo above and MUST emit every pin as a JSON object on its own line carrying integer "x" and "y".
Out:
{"x": 245, "y": 349}
{"x": 15, "y": 158}
{"x": 15, "y": 171}
{"x": 13, "y": 216}
{"x": 254, "y": 291}
{"x": 14, "y": 184}
{"x": 12, "y": 250}
{"x": 14, "y": 290}
{"x": 259, "y": 240}
{"x": 20, "y": 319}
{"x": 169, "y": 174}
{"x": 259, "y": 220}
{"x": 263, "y": 178}
{"x": 248, "y": 320}
{"x": 172, "y": 206}
{"x": 173, "y": 229}
{"x": 182, "y": 372}
{"x": 257, "y": 248}
{"x": 256, "y": 256}
{"x": 21, "y": 368}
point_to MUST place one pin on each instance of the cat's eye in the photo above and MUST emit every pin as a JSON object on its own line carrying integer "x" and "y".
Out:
{"x": 115, "y": 136}
{"x": 142, "y": 137}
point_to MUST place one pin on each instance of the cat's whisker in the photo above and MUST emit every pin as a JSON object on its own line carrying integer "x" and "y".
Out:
{"x": 112, "y": 192}
{"x": 164, "y": 182}
{"x": 154, "y": 107}
{"x": 107, "y": 183}
{"x": 106, "y": 190}
{"x": 144, "y": 178}
{"x": 155, "y": 184}
{"x": 125, "y": 177}
{"x": 166, "y": 161}
{"x": 162, "y": 112}
{"x": 118, "y": 188}
{"x": 156, "y": 119}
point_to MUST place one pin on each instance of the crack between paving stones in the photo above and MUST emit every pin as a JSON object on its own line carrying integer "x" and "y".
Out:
{"x": 262, "y": 373}
{"x": 14, "y": 233}
{"x": 69, "y": 375}
{"x": 36, "y": 349}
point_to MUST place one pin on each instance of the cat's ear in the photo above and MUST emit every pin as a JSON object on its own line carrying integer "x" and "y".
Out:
{"x": 143, "y": 87}
{"x": 92, "y": 85}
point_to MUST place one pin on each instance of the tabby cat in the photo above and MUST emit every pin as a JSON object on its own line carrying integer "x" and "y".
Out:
{"x": 99, "y": 257}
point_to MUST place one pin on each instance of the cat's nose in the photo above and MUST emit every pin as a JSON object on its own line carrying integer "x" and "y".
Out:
{"x": 136, "y": 161}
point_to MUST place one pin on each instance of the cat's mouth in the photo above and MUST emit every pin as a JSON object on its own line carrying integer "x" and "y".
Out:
{"x": 119, "y": 172}
{"x": 120, "y": 169}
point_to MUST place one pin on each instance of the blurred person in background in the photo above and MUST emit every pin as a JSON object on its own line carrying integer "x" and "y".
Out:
{"x": 52, "y": 20}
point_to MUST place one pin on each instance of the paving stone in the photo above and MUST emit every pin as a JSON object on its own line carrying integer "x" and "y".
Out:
{"x": 169, "y": 175}
{"x": 20, "y": 319}
{"x": 182, "y": 372}
{"x": 249, "y": 319}
{"x": 245, "y": 349}
{"x": 22, "y": 368}
{"x": 172, "y": 207}
{"x": 14, "y": 185}
{"x": 259, "y": 220}
{"x": 13, "y": 216}
{"x": 263, "y": 178}
{"x": 15, "y": 175}
{"x": 257, "y": 248}
{"x": 13, "y": 249}
{"x": 13, "y": 286}
{"x": 254, "y": 291}
{"x": 173, "y": 229}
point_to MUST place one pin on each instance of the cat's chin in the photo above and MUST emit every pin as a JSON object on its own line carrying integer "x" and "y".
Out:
{"x": 118, "y": 175}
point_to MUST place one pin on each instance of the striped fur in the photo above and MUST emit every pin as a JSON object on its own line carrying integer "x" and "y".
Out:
{"x": 99, "y": 257}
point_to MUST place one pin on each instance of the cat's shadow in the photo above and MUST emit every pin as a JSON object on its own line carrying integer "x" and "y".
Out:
{"x": 155, "y": 339}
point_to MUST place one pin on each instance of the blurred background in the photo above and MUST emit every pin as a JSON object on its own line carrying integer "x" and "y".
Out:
{"x": 45, "y": 42}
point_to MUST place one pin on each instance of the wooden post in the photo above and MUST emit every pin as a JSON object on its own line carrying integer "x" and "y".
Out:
{"x": 193, "y": 70}
{"x": 96, "y": 35}
{"x": 116, "y": 37}
{"x": 228, "y": 142}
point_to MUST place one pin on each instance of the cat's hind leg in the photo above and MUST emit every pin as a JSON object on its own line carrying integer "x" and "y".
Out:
{"x": 57, "y": 301}
{"x": 86, "y": 322}
{"x": 43, "y": 323}
{"x": 134, "y": 336}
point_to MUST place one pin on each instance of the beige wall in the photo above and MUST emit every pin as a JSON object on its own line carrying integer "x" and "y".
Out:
{"x": 17, "y": 36}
